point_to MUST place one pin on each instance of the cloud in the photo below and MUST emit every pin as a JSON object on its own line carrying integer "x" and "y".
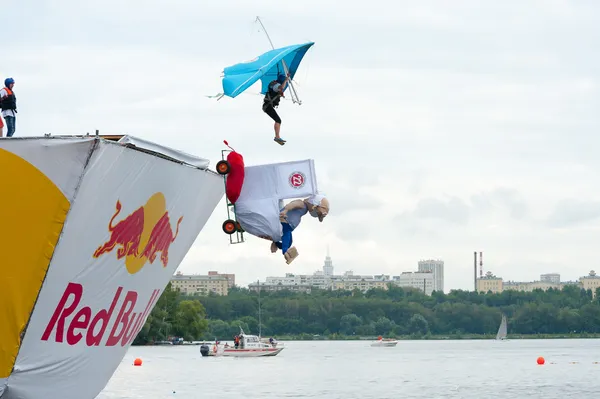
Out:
{"x": 436, "y": 131}
{"x": 502, "y": 198}
{"x": 453, "y": 210}
{"x": 573, "y": 212}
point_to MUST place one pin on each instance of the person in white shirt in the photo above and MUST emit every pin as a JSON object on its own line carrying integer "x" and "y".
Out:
{"x": 291, "y": 214}
{"x": 8, "y": 104}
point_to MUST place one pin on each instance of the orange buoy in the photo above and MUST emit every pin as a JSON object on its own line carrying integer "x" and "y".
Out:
{"x": 541, "y": 360}
{"x": 137, "y": 362}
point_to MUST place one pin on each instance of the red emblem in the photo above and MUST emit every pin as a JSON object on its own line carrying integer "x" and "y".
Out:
{"x": 297, "y": 179}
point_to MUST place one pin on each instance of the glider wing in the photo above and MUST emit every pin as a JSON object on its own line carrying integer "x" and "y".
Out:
{"x": 265, "y": 67}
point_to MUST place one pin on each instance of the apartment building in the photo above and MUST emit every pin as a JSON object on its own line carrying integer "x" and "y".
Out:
{"x": 196, "y": 284}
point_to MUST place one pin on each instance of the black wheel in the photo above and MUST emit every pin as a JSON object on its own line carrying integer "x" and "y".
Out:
{"x": 223, "y": 167}
{"x": 229, "y": 226}
{"x": 239, "y": 227}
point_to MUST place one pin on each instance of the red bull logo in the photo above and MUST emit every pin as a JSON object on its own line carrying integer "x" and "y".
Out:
{"x": 140, "y": 236}
{"x": 72, "y": 323}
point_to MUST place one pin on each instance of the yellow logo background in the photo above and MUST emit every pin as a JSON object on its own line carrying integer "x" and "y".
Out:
{"x": 31, "y": 218}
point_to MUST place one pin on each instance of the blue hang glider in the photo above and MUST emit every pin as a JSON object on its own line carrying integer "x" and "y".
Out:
{"x": 266, "y": 67}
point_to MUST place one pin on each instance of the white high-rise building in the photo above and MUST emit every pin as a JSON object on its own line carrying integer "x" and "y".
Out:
{"x": 423, "y": 281}
{"x": 553, "y": 278}
{"x": 328, "y": 266}
{"x": 437, "y": 268}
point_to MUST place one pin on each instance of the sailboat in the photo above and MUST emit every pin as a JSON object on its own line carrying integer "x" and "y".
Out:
{"x": 252, "y": 345}
{"x": 502, "y": 330}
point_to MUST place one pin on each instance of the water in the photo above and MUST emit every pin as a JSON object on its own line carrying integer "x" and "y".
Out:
{"x": 353, "y": 369}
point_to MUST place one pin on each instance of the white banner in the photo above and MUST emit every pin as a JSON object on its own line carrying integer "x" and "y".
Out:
{"x": 279, "y": 181}
{"x": 258, "y": 206}
{"x": 133, "y": 220}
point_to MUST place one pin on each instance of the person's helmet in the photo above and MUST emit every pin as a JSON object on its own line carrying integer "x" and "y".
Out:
{"x": 8, "y": 81}
{"x": 281, "y": 78}
{"x": 320, "y": 201}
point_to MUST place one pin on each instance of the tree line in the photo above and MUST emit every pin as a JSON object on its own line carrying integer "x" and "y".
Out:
{"x": 397, "y": 311}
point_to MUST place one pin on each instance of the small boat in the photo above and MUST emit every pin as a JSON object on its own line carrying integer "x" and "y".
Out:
{"x": 250, "y": 346}
{"x": 502, "y": 330}
{"x": 384, "y": 342}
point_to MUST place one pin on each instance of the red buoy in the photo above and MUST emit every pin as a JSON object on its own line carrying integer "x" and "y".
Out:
{"x": 541, "y": 360}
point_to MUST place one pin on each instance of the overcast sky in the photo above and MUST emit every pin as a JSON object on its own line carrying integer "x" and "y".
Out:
{"x": 437, "y": 128}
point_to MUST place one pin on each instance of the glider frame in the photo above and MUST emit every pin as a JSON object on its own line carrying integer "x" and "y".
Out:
{"x": 295, "y": 98}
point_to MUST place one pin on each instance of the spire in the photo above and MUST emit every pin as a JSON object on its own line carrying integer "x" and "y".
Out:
{"x": 328, "y": 266}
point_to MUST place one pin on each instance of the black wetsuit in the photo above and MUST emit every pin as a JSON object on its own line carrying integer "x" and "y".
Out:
{"x": 271, "y": 101}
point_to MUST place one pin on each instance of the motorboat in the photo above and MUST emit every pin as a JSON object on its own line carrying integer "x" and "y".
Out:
{"x": 250, "y": 346}
{"x": 384, "y": 342}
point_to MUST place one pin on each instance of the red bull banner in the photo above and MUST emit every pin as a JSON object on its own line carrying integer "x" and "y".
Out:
{"x": 94, "y": 231}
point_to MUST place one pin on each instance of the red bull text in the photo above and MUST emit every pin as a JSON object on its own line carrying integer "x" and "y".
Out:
{"x": 124, "y": 329}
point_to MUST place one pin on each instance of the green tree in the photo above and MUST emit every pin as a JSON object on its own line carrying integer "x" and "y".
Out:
{"x": 391, "y": 311}
{"x": 349, "y": 323}
{"x": 189, "y": 320}
{"x": 218, "y": 329}
{"x": 384, "y": 326}
{"x": 418, "y": 325}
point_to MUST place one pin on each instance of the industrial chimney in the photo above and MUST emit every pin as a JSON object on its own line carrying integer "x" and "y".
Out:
{"x": 475, "y": 270}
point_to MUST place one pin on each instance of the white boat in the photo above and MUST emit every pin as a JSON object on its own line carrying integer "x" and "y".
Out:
{"x": 384, "y": 342}
{"x": 502, "y": 330}
{"x": 250, "y": 346}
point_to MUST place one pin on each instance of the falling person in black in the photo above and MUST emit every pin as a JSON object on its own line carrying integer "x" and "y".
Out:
{"x": 271, "y": 101}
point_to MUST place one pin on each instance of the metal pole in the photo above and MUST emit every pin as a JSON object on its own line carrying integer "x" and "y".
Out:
{"x": 285, "y": 68}
{"x": 259, "y": 318}
{"x": 264, "y": 30}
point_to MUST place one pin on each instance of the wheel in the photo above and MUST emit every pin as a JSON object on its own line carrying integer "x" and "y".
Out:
{"x": 223, "y": 167}
{"x": 239, "y": 227}
{"x": 229, "y": 226}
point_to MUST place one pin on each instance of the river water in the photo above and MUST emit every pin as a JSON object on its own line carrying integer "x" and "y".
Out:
{"x": 353, "y": 369}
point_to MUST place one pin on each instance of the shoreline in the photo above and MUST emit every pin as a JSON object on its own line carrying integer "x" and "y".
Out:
{"x": 457, "y": 337}
{"x": 441, "y": 337}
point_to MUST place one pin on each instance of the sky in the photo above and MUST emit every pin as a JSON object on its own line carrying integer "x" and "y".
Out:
{"x": 437, "y": 128}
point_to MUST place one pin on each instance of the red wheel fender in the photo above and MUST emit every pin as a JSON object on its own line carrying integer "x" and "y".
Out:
{"x": 235, "y": 177}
